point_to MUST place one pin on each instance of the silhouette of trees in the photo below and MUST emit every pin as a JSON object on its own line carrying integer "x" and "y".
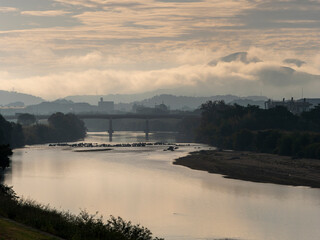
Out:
{"x": 312, "y": 118}
{"x": 11, "y": 133}
{"x": 68, "y": 127}
{"x": 26, "y": 119}
{"x": 5, "y": 131}
{"x": 274, "y": 130}
{"x": 5, "y": 152}
{"x": 11, "y": 136}
{"x": 61, "y": 128}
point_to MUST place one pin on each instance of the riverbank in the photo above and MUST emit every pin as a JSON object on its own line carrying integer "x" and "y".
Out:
{"x": 13, "y": 230}
{"x": 28, "y": 218}
{"x": 255, "y": 167}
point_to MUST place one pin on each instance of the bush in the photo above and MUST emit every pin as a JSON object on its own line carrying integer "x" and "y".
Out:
{"x": 66, "y": 225}
{"x": 285, "y": 145}
{"x": 266, "y": 141}
{"x": 312, "y": 150}
{"x": 243, "y": 140}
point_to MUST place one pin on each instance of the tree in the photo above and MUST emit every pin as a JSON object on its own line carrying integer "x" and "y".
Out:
{"x": 243, "y": 140}
{"x": 17, "y": 136}
{"x": 5, "y": 131}
{"x": 67, "y": 127}
{"x": 26, "y": 119}
{"x": 5, "y": 152}
{"x": 61, "y": 128}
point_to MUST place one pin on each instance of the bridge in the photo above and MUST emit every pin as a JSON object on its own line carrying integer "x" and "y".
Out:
{"x": 111, "y": 117}
{"x": 147, "y": 117}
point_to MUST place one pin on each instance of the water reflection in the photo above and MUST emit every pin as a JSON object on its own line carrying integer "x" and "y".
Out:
{"x": 173, "y": 201}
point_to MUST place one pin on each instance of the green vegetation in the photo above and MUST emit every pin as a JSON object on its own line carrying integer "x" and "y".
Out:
{"x": 66, "y": 225}
{"x": 11, "y": 133}
{"x": 5, "y": 152}
{"x": 26, "y": 119}
{"x": 11, "y": 231}
{"x": 250, "y": 128}
{"x": 60, "y": 128}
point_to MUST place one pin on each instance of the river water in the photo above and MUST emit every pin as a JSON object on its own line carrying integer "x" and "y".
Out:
{"x": 174, "y": 202}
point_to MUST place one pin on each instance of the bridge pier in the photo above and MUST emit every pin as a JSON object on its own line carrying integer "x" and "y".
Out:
{"x": 110, "y": 131}
{"x": 147, "y": 129}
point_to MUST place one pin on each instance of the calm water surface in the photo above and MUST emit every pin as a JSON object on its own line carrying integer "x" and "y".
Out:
{"x": 174, "y": 202}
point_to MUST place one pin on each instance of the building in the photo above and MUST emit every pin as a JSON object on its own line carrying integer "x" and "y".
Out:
{"x": 105, "y": 106}
{"x": 296, "y": 107}
{"x": 313, "y": 101}
{"x": 162, "y": 107}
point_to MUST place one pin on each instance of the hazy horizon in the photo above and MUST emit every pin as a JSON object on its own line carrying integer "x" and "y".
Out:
{"x": 57, "y": 48}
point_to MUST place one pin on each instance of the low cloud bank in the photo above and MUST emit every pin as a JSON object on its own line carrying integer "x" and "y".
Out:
{"x": 230, "y": 74}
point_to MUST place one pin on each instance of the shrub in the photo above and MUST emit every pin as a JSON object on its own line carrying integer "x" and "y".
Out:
{"x": 66, "y": 225}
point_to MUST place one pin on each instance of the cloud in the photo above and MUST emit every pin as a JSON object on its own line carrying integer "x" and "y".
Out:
{"x": 83, "y": 3}
{"x": 50, "y": 13}
{"x": 8, "y": 9}
{"x": 282, "y": 14}
{"x": 81, "y": 46}
{"x": 235, "y": 77}
{"x": 296, "y": 62}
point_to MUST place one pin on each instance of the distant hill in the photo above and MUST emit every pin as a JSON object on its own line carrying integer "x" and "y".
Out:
{"x": 7, "y": 98}
{"x": 15, "y": 104}
{"x": 116, "y": 98}
{"x": 185, "y": 102}
{"x": 188, "y": 103}
{"x": 180, "y": 102}
{"x": 60, "y": 105}
{"x": 125, "y": 102}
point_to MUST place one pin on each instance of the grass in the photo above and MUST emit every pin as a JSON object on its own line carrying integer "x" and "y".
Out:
{"x": 12, "y": 231}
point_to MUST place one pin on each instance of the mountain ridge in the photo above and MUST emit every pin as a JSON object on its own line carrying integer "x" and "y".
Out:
{"x": 7, "y": 97}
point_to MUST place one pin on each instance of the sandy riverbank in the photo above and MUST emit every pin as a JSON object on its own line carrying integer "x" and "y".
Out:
{"x": 256, "y": 167}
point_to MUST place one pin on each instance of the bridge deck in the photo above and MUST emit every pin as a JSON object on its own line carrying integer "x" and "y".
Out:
{"x": 121, "y": 116}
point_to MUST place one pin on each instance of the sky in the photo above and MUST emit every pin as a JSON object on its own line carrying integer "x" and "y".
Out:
{"x": 56, "y": 48}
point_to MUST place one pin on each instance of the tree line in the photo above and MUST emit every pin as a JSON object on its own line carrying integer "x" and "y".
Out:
{"x": 60, "y": 128}
{"x": 251, "y": 128}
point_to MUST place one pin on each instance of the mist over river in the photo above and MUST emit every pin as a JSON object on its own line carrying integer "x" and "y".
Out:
{"x": 142, "y": 185}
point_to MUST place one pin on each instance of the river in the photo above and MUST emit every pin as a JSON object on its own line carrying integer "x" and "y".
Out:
{"x": 174, "y": 202}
